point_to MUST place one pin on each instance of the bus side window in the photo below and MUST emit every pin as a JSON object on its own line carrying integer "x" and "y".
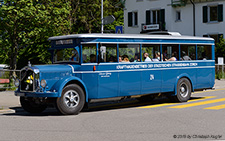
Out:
{"x": 89, "y": 53}
{"x": 204, "y": 52}
{"x": 129, "y": 52}
{"x": 187, "y": 52}
{"x": 153, "y": 52}
{"x": 108, "y": 53}
{"x": 170, "y": 52}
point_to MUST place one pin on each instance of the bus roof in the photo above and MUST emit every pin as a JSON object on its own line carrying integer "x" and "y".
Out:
{"x": 129, "y": 36}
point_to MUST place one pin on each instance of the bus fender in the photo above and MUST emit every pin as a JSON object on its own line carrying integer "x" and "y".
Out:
{"x": 183, "y": 76}
{"x": 59, "y": 85}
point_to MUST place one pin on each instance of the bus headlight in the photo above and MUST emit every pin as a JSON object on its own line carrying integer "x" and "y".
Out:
{"x": 17, "y": 82}
{"x": 43, "y": 83}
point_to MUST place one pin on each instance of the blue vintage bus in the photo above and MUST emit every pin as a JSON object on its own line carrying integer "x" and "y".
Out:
{"x": 91, "y": 67}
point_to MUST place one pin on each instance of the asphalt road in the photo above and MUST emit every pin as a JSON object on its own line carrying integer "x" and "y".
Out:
{"x": 201, "y": 118}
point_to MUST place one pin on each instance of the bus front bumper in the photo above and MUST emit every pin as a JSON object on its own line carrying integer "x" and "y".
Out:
{"x": 37, "y": 94}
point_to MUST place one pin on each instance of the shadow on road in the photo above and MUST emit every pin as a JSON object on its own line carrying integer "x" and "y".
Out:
{"x": 97, "y": 107}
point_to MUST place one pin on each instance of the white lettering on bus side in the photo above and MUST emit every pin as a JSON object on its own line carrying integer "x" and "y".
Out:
{"x": 152, "y": 77}
{"x": 173, "y": 65}
{"x": 105, "y": 74}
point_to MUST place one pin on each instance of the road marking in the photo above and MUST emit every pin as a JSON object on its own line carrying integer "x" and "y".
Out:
{"x": 199, "y": 103}
{"x": 168, "y": 104}
{"x": 216, "y": 107}
{"x": 202, "y": 98}
{"x": 157, "y": 105}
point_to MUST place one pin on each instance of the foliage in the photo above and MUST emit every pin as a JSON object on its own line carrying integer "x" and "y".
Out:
{"x": 25, "y": 26}
{"x": 220, "y": 52}
{"x": 220, "y": 75}
{"x": 220, "y": 48}
{"x": 86, "y": 15}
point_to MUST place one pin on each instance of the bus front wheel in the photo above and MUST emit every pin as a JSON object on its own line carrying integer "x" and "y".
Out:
{"x": 71, "y": 101}
{"x": 30, "y": 105}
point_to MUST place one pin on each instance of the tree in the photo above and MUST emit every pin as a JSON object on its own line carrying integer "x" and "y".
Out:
{"x": 85, "y": 15}
{"x": 220, "y": 47}
{"x": 26, "y": 26}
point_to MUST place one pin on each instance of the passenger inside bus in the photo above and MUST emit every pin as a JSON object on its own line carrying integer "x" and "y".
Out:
{"x": 157, "y": 57}
{"x": 165, "y": 55}
{"x": 146, "y": 58}
{"x": 126, "y": 60}
{"x": 120, "y": 59}
{"x": 203, "y": 56}
{"x": 173, "y": 58}
{"x": 185, "y": 57}
{"x": 112, "y": 59}
{"x": 92, "y": 58}
{"x": 136, "y": 58}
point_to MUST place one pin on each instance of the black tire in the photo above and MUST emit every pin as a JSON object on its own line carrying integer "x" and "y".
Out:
{"x": 71, "y": 101}
{"x": 30, "y": 106}
{"x": 146, "y": 98}
{"x": 183, "y": 90}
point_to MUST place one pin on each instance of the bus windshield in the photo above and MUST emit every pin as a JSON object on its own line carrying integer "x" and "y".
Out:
{"x": 66, "y": 55}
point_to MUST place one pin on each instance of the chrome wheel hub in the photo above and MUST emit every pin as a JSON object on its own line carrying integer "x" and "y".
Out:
{"x": 71, "y": 98}
{"x": 183, "y": 90}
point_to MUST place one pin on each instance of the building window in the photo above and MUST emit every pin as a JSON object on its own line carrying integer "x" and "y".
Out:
{"x": 132, "y": 18}
{"x": 213, "y": 13}
{"x": 155, "y": 16}
{"x": 178, "y": 16}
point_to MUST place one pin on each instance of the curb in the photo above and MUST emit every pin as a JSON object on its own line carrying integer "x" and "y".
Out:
{"x": 7, "y": 111}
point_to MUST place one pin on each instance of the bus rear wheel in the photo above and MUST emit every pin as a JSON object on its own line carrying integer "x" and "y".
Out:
{"x": 183, "y": 90}
{"x": 71, "y": 101}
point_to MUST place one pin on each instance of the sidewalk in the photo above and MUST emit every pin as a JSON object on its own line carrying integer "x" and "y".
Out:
{"x": 7, "y": 98}
{"x": 219, "y": 84}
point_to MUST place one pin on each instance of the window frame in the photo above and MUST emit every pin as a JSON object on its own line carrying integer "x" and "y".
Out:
{"x": 133, "y": 19}
{"x": 178, "y": 16}
{"x": 207, "y": 13}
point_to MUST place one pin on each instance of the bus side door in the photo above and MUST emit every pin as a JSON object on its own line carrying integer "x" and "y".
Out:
{"x": 107, "y": 81}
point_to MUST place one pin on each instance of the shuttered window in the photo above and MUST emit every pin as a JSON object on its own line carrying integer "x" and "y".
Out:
{"x": 135, "y": 16}
{"x": 155, "y": 16}
{"x": 148, "y": 17}
{"x": 220, "y": 13}
{"x": 205, "y": 14}
{"x": 132, "y": 19}
{"x": 162, "y": 16}
{"x": 213, "y": 13}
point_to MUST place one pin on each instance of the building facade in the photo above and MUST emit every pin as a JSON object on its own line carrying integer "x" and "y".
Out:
{"x": 188, "y": 17}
